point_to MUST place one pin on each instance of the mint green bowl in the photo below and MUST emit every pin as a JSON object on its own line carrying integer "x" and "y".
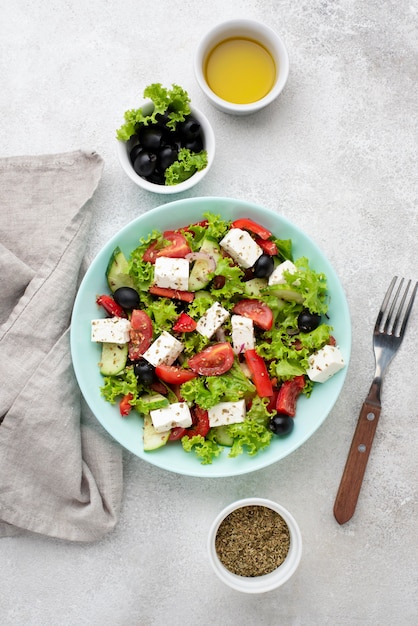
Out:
{"x": 311, "y": 412}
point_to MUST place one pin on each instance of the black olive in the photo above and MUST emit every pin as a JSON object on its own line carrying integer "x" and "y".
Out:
{"x": 166, "y": 157}
{"x": 308, "y": 321}
{"x": 264, "y": 266}
{"x": 127, "y": 297}
{"x": 145, "y": 163}
{"x": 281, "y": 425}
{"x": 134, "y": 152}
{"x": 190, "y": 128}
{"x": 150, "y": 137}
{"x": 157, "y": 177}
{"x": 194, "y": 145}
{"x": 144, "y": 371}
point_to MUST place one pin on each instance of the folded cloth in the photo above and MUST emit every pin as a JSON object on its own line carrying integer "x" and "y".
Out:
{"x": 60, "y": 473}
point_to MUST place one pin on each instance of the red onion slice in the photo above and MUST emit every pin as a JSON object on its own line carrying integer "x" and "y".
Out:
{"x": 196, "y": 256}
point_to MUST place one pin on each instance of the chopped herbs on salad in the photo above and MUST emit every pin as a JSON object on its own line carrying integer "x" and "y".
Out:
{"x": 212, "y": 332}
{"x": 166, "y": 141}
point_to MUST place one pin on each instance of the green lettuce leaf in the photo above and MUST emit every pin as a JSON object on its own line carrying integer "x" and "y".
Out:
{"x": 284, "y": 248}
{"x": 163, "y": 313}
{"x": 206, "y": 391}
{"x": 202, "y": 302}
{"x": 205, "y": 449}
{"x": 175, "y": 100}
{"x": 305, "y": 286}
{"x": 212, "y": 227}
{"x": 141, "y": 271}
{"x": 187, "y": 164}
{"x": 251, "y": 435}
{"x": 116, "y": 386}
{"x": 233, "y": 279}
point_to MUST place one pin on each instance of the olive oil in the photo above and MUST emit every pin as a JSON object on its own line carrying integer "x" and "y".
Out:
{"x": 240, "y": 70}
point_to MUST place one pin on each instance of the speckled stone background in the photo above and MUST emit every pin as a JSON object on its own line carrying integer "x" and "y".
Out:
{"x": 337, "y": 155}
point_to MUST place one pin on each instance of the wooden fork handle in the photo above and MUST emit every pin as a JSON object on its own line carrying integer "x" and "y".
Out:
{"x": 355, "y": 467}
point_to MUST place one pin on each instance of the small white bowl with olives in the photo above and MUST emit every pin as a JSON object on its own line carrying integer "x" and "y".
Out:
{"x": 166, "y": 146}
{"x": 254, "y": 545}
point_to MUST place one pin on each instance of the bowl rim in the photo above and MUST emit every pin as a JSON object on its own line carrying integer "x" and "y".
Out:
{"x": 245, "y": 27}
{"x": 266, "y": 582}
{"x": 210, "y": 146}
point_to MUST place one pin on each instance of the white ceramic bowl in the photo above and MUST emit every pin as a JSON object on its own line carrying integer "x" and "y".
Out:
{"x": 248, "y": 29}
{"x": 124, "y": 148}
{"x": 267, "y": 582}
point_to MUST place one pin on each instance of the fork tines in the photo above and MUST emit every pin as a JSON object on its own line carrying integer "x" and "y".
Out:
{"x": 394, "y": 312}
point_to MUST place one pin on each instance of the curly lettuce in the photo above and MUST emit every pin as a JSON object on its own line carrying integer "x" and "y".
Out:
{"x": 187, "y": 164}
{"x": 114, "y": 387}
{"x": 206, "y": 391}
{"x": 305, "y": 286}
{"x": 250, "y": 436}
{"x": 205, "y": 449}
{"x": 175, "y": 101}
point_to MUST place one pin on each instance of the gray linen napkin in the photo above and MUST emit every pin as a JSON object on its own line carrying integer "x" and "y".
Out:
{"x": 60, "y": 473}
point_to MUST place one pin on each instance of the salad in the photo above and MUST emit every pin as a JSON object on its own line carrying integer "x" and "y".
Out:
{"x": 212, "y": 333}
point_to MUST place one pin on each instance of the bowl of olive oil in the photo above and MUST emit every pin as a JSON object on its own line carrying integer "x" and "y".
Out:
{"x": 241, "y": 66}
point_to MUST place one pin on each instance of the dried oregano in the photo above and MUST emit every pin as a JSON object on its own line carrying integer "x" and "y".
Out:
{"x": 252, "y": 541}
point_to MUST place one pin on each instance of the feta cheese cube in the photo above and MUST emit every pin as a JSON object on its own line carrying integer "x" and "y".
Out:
{"x": 176, "y": 414}
{"x": 325, "y": 363}
{"x": 242, "y": 333}
{"x": 277, "y": 277}
{"x": 225, "y": 413}
{"x": 164, "y": 350}
{"x": 171, "y": 273}
{"x": 241, "y": 247}
{"x": 211, "y": 320}
{"x": 110, "y": 330}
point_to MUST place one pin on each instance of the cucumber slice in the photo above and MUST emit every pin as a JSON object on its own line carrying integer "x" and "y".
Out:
{"x": 254, "y": 286}
{"x": 151, "y": 402}
{"x": 221, "y": 436}
{"x": 201, "y": 272}
{"x": 152, "y": 439}
{"x": 114, "y": 356}
{"x": 117, "y": 271}
{"x": 287, "y": 294}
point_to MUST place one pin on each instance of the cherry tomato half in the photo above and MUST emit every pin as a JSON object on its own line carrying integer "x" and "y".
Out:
{"x": 177, "y": 433}
{"x": 184, "y": 324}
{"x": 258, "y": 311}
{"x": 125, "y": 405}
{"x": 174, "y": 375}
{"x": 213, "y": 360}
{"x": 177, "y": 248}
{"x": 140, "y": 334}
{"x": 288, "y": 395}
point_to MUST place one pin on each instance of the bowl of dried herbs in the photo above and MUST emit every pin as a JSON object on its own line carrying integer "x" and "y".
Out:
{"x": 254, "y": 545}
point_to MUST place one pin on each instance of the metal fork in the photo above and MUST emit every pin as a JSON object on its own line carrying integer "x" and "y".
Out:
{"x": 388, "y": 333}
